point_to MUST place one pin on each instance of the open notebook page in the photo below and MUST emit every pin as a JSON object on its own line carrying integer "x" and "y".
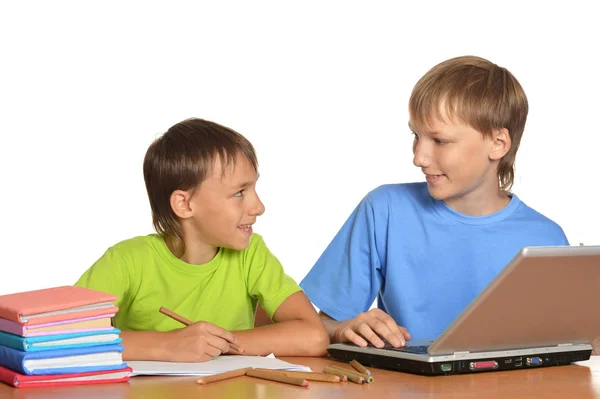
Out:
{"x": 219, "y": 364}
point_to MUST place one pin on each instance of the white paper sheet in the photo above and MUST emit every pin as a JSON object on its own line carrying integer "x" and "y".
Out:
{"x": 219, "y": 364}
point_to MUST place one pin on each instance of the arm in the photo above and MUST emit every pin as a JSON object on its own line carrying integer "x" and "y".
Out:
{"x": 198, "y": 342}
{"x": 261, "y": 318}
{"x": 297, "y": 331}
{"x": 348, "y": 276}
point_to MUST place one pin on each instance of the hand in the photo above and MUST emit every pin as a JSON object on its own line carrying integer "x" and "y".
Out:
{"x": 371, "y": 326}
{"x": 198, "y": 342}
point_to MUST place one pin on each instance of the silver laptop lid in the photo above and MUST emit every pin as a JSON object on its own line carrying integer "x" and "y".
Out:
{"x": 545, "y": 296}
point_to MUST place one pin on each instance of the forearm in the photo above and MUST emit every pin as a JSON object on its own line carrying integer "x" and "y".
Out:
{"x": 330, "y": 325}
{"x": 145, "y": 345}
{"x": 288, "y": 338}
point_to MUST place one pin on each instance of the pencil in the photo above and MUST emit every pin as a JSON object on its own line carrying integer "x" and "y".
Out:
{"x": 348, "y": 371}
{"x": 187, "y": 322}
{"x": 279, "y": 377}
{"x": 360, "y": 368}
{"x": 309, "y": 376}
{"x": 343, "y": 375}
{"x": 223, "y": 376}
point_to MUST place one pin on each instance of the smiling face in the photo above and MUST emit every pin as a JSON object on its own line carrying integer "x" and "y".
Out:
{"x": 224, "y": 207}
{"x": 459, "y": 162}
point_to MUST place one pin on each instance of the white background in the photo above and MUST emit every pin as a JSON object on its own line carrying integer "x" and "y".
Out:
{"x": 319, "y": 87}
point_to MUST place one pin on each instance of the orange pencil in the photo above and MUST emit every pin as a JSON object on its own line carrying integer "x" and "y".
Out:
{"x": 223, "y": 376}
{"x": 279, "y": 377}
{"x": 307, "y": 375}
{"x": 187, "y": 322}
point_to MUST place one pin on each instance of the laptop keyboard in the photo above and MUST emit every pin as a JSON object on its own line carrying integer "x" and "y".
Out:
{"x": 417, "y": 349}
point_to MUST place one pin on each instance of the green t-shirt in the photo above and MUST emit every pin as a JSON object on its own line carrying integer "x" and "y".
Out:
{"x": 144, "y": 275}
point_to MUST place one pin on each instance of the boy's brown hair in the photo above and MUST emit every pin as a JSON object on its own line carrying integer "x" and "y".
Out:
{"x": 482, "y": 94}
{"x": 181, "y": 159}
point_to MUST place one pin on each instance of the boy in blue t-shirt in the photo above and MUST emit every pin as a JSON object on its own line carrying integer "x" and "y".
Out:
{"x": 425, "y": 250}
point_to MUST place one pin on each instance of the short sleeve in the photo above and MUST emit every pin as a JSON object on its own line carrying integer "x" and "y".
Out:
{"x": 108, "y": 274}
{"x": 347, "y": 277}
{"x": 266, "y": 279}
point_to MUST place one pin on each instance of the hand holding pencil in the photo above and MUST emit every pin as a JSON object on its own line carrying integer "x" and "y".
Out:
{"x": 200, "y": 341}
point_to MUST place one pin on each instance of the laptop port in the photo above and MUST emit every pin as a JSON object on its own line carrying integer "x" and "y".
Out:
{"x": 534, "y": 361}
{"x": 507, "y": 361}
{"x": 446, "y": 367}
{"x": 481, "y": 366}
{"x": 518, "y": 364}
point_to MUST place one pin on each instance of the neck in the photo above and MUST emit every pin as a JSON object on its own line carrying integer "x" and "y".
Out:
{"x": 194, "y": 250}
{"x": 480, "y": 203}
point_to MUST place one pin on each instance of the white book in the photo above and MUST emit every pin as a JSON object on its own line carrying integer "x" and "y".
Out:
{"x": 219, "y": 364}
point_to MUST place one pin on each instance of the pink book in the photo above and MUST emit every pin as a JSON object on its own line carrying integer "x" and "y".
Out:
{"x": 94, "y": 323}
{"x": 95, "y": 377}
{"x": 55, "y": 304}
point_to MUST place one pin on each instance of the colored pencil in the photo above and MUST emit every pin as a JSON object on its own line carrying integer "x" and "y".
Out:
{"x": 360, "y": 368}
{"x": 187, "y": 322}
{"x": 279, "y": 377}
{"x": 223, "y": 376}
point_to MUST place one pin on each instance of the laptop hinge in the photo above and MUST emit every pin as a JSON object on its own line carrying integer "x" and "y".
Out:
{"x": 461, "y": 353}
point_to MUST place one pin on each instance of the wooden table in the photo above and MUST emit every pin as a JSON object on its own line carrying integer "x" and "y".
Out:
{"x": 580, "y": 380}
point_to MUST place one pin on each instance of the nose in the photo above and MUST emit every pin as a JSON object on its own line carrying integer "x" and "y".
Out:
{"x": 422, "y": 157}
{"x": 257, "y": 208}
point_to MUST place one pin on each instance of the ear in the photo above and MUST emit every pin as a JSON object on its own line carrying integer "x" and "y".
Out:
{"x": 501, "y": 144}
{"x": 180, "y": 203}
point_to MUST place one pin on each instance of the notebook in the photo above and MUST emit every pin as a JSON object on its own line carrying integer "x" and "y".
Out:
{"x": 95, "y": 323}
{"x": 219, "y": 364}
{"x": 54, "y": 304}
{"x": 97, "y": 377}
{"x": 539, "y": 311}
{"x": 60, "y": 341}
{"x": 63, "y": 361}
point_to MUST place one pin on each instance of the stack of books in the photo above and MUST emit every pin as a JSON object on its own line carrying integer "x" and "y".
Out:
{"x": 60, "y": 336}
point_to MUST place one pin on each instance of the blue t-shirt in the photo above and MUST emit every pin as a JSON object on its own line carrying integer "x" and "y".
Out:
{"x": 423, "y": 261}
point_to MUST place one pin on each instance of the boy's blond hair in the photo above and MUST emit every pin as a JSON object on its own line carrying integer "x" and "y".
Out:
{"x": 482, "y": 94}
{"x": 180, "y": 160}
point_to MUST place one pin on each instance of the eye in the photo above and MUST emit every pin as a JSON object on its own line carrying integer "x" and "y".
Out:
{"x": 416, "y": 136}
{"x": 239, "y": 194}
{"x": 439, "y": 142}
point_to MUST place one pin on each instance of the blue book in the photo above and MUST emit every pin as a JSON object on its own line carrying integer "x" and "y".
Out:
{"x": 60, "y": 341}
{"x": 63, "y": 361}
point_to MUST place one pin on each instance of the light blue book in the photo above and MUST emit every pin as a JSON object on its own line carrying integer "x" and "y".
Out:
{"x": 60, "y": 341}
{"x": 63, "y": 361}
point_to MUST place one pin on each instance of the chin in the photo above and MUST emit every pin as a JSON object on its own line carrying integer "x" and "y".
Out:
{"x": 239, "y": 246}
{"x": 437, "y": 194}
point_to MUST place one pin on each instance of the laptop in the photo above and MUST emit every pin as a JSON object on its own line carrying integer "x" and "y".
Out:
{"x": 540, "y": 310}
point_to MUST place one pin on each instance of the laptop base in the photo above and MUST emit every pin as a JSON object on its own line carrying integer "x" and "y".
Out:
{"x": 450, "y": 367}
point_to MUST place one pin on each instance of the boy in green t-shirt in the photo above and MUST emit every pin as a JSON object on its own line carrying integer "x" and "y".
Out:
{"x": 205, "y": 263}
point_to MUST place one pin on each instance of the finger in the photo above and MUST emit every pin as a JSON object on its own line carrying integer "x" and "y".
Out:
{"x": 218, "y": 343}
{"x": 370, "y": 335}
{"x": 350, "y": 336}
{"x": 220, "y": 332}
{"x": 392, "y": 332}
{"x": 384, "y": 332}
{"x": 405, "y": 332}
{"x": 212, "y": 351}
{"x": 399, "y": 334}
